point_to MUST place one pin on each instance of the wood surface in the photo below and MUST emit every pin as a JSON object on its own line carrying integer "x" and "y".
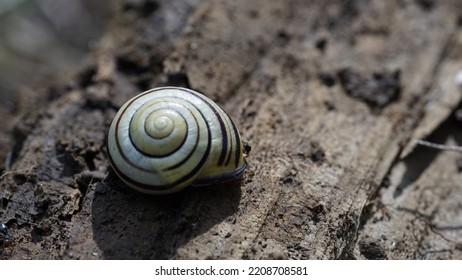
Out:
{"x": 329, "y": 94}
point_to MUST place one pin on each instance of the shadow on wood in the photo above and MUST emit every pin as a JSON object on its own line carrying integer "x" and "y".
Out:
{"x": 164, "y": 223}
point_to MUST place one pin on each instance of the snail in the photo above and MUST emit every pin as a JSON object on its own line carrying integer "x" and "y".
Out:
{"x": 168, "y": 138}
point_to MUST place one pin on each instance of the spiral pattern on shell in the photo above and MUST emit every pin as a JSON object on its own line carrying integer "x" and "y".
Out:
{"x": 168, "y": 138}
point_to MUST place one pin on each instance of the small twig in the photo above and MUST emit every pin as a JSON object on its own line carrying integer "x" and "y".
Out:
{"x": 438, "y": 146}
{"x": 14, "y": 172}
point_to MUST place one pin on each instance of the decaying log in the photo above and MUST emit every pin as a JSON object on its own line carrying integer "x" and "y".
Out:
{"x": 330, "y": 95}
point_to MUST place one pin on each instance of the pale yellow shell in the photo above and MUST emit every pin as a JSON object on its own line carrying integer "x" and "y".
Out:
{"x": 168, "y": 138}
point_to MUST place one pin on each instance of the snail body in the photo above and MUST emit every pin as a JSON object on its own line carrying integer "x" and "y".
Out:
{"x": 167, "y": 138}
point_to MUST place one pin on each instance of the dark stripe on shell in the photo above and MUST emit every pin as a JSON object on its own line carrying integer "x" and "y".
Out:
{"x": 222, "y": 178}
{"x": 224, "y": 138}
{"x": 228, "y": 159}
{"x": 159, "y": 156}
{"x": 238, "y": 145}
{"x": 116, "y": 132}
{"x": 224, "y": 134}
{"x": 193, "y": 150}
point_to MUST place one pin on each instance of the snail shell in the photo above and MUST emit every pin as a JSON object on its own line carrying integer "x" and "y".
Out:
{"x": 168, "y": 138}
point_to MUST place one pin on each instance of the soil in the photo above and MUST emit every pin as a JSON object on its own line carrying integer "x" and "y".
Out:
{"x": 329, "y": 94}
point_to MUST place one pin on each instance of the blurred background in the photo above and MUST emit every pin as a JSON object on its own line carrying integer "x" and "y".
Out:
{"x": 40, "y": 40}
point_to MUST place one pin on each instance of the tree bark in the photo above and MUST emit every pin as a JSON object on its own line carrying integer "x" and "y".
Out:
{"x": 329, "y": 94}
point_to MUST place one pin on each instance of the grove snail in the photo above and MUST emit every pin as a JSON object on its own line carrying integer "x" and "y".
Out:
{"x": 167, "y": 138}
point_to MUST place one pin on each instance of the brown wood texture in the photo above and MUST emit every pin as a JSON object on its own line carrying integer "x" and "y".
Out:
{"x": 329, "y": 94}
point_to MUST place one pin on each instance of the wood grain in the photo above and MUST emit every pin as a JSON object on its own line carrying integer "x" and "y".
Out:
{"x": 327, "y": 93}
